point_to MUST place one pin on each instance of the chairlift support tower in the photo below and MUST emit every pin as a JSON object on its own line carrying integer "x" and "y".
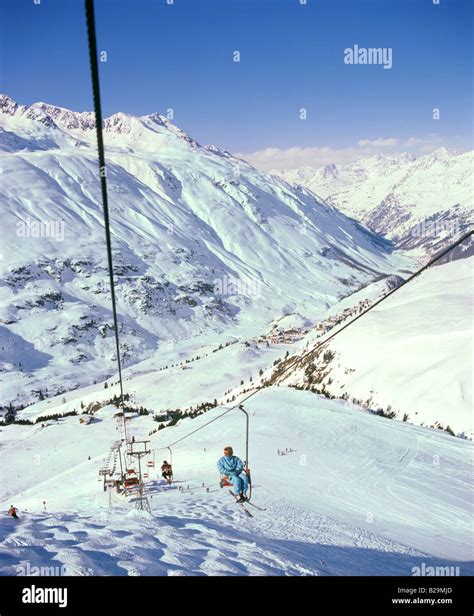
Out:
{"x": 138, "y": 449}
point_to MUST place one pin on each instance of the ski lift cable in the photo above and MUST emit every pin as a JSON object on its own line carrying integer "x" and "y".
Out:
{"x": 201, "y": 427}
{"x": 323, "y": 342}
{"x": 92, "y": 41}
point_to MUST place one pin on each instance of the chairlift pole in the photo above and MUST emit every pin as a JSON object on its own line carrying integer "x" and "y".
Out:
{"x": 169, "y": 449}
{"x": 142, "y": 501}
{"x": 247, "y": 433}
{"x": 124, "y": 418}
{"x": 120, "y": 460}
{"x": 140, "y": 485}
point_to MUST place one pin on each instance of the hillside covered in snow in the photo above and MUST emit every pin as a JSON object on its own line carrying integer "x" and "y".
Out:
{"x": 409, "y": 358}
{"x": 202, "y": 241}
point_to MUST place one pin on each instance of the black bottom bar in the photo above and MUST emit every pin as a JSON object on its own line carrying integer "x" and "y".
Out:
{"x": 403, "y": 595}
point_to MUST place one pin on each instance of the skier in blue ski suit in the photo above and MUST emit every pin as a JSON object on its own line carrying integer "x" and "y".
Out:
{"x": 232, "y": 467}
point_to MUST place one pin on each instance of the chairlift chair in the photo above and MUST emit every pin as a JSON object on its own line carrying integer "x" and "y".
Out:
{"x": 131, "y": 478}
{"x": 224, "y": 482}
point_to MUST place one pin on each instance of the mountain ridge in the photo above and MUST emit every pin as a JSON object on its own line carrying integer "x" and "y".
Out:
{"x": 421, "y": 203}
{"x": 184, "y": 218}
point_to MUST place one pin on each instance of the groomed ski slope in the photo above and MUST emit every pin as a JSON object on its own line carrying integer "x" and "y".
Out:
{"x": 360, "y": 495}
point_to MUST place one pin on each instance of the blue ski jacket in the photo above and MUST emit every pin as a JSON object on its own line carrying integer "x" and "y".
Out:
{"x": 230, "y": 465}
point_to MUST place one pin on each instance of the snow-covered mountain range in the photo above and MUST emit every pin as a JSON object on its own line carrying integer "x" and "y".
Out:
{"x": 420, "y": 203}
{"x": 201, "y": 240}
{"x": 224, "y": 276}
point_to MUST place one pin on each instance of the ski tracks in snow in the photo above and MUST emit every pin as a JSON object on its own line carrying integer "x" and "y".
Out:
{"x": 197, "y": 536}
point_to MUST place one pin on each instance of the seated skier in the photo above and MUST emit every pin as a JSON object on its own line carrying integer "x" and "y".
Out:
{"x": 13, "y": 512}
{"x": 231, "y": 466}
{"x": 166, "y": 471}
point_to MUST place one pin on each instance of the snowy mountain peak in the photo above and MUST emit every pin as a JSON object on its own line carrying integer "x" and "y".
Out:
{"x": 329, "y": 171}
{"x": 67, "y": 119}
{"x": 7, "y": 104}
{"x": 158, "y": 118}
{"x": 442, "y": 154}
{"x": 120, "y": 123}
{"x": 136, "y": 131}
{"x": 51, "y": 116}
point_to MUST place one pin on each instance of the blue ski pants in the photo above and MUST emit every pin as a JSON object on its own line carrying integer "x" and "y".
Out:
{"x": 240, "y": 483}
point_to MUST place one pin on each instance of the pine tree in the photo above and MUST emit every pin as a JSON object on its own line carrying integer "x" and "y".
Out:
{"x": 10, "y": 414}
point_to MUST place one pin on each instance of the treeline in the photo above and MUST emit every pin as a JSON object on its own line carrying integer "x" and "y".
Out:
{"x": 40, "y": 419}
{"x": 177, "y": 414}
{"x": 388, "y": 413}
{"x": 89, "y": 409}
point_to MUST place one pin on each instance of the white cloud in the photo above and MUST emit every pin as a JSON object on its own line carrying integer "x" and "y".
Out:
{"x": 413, "y": 141}
{"x": 424, "y": 144}
{"x": 295, "y": 157}
{"x": 292, "y": 158}
{"x": 378, "y": 143}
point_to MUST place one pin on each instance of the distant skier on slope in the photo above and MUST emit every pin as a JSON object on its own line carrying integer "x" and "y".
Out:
{"x": 166, "y": 471}
{"x": 12, "y": 512}
{"x": 232, "y": 467}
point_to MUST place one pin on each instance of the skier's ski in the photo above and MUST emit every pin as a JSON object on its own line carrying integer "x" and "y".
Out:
{"x": 247, "y": 502}
{"x": 256, "y": 507}
{"x": 242, "y": 504}
{"x": 244, "y": 509}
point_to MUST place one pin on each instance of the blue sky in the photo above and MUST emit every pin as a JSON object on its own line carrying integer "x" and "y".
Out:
{"x": 292, "y": 57}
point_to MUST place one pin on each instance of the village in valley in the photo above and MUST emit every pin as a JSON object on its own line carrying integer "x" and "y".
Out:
{"x": 281, "y": 335}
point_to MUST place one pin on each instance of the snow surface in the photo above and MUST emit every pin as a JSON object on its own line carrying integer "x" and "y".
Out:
{"x": 359, "y": 495}
{"x": 413, "y": 352}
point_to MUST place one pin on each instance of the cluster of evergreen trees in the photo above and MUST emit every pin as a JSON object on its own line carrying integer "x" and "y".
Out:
{"x": 11, "y": 418}
{"x": 54, "y": 416}
{"x": 10, "y": 414}
{"x": 177, "y": 414}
